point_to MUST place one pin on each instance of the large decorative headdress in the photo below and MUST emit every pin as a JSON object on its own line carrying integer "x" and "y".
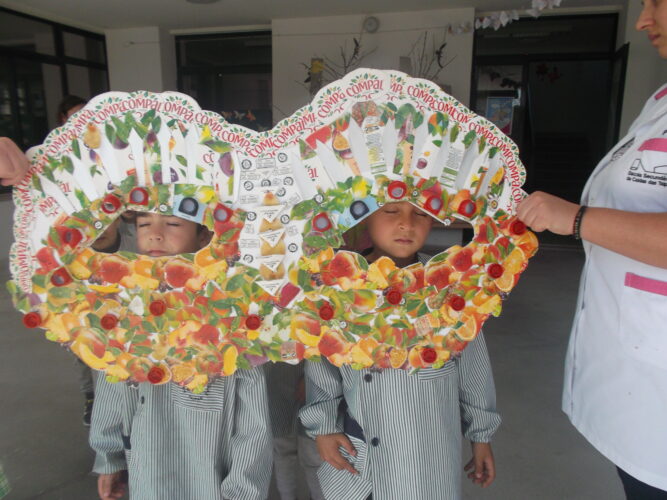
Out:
{"x": 270, "y": 285}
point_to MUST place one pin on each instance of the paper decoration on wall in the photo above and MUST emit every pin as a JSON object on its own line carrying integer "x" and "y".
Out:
{"x": 270, "y": 286}
{"x": 502, "y": 18}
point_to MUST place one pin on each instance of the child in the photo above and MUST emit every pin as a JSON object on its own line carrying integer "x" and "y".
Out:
{"x": 400, "y": 436}
{"x": 174, "y": 444}
{"x": 292, "y": 449}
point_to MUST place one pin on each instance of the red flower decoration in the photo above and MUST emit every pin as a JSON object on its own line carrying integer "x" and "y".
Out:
{"x": 457, "y": 303}
{"x": 109, "y": 321}
{"x": 496, "y": 271}
{"x": 253, "y": 322}
{"x": 32, "y": 319}
{"x": 326, "y": 312}
{"x": 157, "y": 307}
{"x": 429, "y": 355}
{"x": 155, "y": 375}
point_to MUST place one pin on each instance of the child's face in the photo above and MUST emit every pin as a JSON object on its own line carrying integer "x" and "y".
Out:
{"x": 159, "y": 235}
{"x": 108, "y": 238}
{"x": 398, "y": 230}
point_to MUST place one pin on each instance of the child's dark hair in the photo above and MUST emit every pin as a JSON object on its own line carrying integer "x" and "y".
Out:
{"x": 67, "y": 103}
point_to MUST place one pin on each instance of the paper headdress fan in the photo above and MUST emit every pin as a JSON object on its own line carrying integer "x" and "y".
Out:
{"x": 270, "y": 285}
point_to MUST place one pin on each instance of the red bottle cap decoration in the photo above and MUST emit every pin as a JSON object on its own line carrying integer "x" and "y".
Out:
{"x": 60, "y": 277}
{"x": 321, "y": 223}
{"x": 155, "y": 375}
{"x": 397, "y": 190}
{"x": 110, "y": 204}
{"x": 109, "y": 321}
{"x": 158, "y": 307}
{"x": 32, "y": 319}
{"x": 222, "y": 213}
{"x": 467, "y": 208}
{"x": 517, "y": 227}
{"x": 71, "y": 237}
{"x": 429, "y": 355}
{"x": 496, "y": 271}
{"x": 394, "y": 297}
{"x": 457, "y": 303}
{"x": 326, "y": 312}
{"x": 433, "y": 204}
{"x": 139, "y": 196}
{"x": 253, "y": 322}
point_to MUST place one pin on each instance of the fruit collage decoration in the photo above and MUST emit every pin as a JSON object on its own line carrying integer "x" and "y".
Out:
{"x": 270, "y": 285}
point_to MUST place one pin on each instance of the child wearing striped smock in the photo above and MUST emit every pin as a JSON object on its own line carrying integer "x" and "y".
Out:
{"x": 168, "y": 443}
{"x": 388, "y": 434}
{"x": 293, "y": 451}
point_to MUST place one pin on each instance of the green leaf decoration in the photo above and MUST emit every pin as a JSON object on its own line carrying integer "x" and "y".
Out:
{"x": 469, "y": 138}
{"x": 75, "y": 148}
{"x": 66, "y": 164}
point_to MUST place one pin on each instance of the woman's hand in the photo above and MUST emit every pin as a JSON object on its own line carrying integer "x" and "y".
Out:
{"x": 542, "y": 211}
{"x": 13, "y": 163}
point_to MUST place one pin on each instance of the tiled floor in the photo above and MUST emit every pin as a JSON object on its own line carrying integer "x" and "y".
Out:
{"x": 538, "y": 453}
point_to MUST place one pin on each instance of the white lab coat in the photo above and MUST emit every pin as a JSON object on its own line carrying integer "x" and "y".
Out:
{"x": 615, "y": 389}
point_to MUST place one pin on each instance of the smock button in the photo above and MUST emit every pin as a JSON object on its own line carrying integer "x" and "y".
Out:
{"x": 368, "y": 377}
{"x": 375, "y": 441}
{"x": 143, "y": 399}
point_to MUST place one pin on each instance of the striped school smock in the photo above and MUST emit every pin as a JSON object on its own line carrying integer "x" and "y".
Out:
{"x": 183, "y": 446}
{"x": 412, "y": 425}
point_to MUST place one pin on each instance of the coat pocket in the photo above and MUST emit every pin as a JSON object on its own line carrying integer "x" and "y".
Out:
{"x": 643, "y": 319}
{"x": 430, "y": 373}
{"x": 342, "y": 485}
{"x": 212, "y": 399}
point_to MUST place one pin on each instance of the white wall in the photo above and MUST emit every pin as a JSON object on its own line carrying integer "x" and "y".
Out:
{"x": 646, "y": 69}
{"x": 296, "y": 41}
{"x": 141, "y": 59}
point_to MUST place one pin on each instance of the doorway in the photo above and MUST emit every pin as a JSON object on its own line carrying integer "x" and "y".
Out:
{"x": 554, "y": 85}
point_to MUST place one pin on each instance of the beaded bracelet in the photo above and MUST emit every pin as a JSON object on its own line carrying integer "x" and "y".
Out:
{"x": 576, "y": 226}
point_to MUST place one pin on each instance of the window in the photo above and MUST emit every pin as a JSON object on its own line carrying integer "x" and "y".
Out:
{"x": 41, "y": 62}
{"x": 229, "y": 74}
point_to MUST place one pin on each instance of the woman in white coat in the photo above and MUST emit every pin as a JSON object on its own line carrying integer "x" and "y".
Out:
{"x": 615, "y": 389}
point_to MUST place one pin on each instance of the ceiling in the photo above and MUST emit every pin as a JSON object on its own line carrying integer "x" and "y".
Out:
{"x": 98, "y": 15}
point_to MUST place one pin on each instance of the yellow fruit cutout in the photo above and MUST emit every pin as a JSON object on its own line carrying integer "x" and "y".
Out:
{"x": 360, "y": 356}
{"x": 306, "y": 338}
{"x": 229, "y": 360}
{"x": 89, "y": 358}
{"x": 397, "y": 357}
{"x": 340, "y": 143}
{"x": 182, "y": 373}
{"x": 514, "y": 261}
{"x": 468, "y": 330}
{"x": 505, "y": 282}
